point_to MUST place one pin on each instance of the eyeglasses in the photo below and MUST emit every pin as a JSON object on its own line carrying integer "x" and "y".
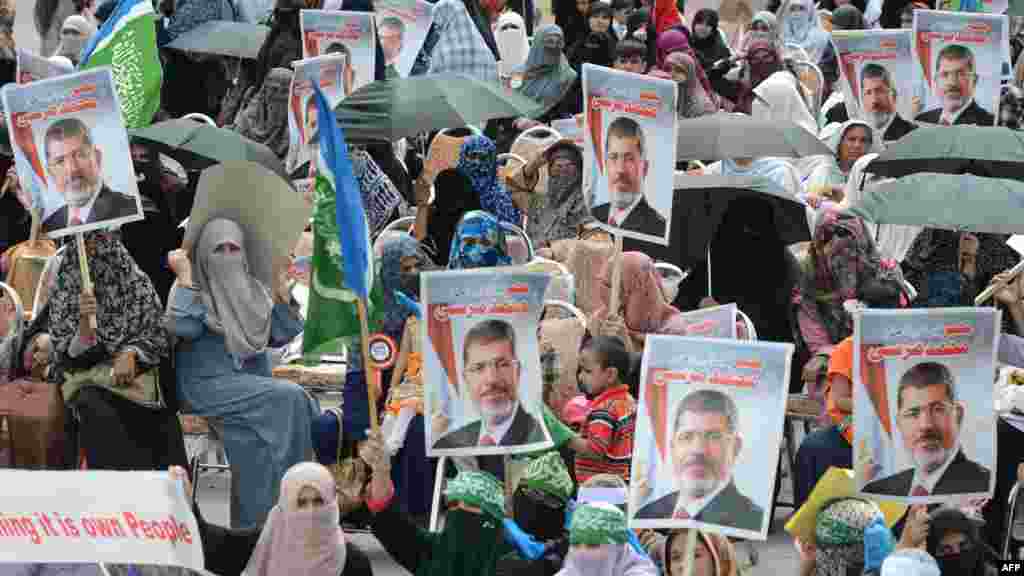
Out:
{"x": 709, "y": 437}
{"x": 936, "y": 410}
{"x": 502, "y": 365}
{"x": 956, "y": 75}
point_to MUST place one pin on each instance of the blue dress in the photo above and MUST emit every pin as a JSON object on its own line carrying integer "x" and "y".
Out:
{"x": 266, "y": 422}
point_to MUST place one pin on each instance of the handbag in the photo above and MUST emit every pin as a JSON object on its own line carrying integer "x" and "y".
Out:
{"x": 350, "y": 475}
{"x": 144, "y": 389}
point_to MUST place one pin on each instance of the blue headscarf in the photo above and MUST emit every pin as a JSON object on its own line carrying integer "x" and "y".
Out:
{"x": 488, "y": 247}
{"x": 482, "y": 171}
{"x": 395, "y": 247}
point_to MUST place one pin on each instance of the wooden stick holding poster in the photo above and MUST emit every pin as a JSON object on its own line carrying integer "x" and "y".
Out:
{"x": 691, "y": 552}
{"x": 371, "y": 374}
{"x": 83, "y": 268}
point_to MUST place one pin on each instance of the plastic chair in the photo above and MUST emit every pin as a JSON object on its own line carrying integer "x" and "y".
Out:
{"x": 673, "y": 275}
{"x": 1013, "y": 528}
{"x": 566, "y": 306}
{"x": 815, "y": 85}
{"x": 520, "y": 249}
{"x": 563, "y": 284}
{"x": 748, "y": 324}
{"x": 403, "y": 224}
{"x": 795, "y": 52}
{"x": 199, "y": 117}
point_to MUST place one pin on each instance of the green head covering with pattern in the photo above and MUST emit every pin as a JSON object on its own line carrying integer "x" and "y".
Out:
{"x": 842, "y": 522}
{"x": 548, "y": 474}
{"x": 598, "y": 524}
{"x": 479, "y": 489}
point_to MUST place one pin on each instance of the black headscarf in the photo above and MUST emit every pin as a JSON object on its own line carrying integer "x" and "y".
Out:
{"x": 974, "y": 553}
{"x": 597, "y": 48}
{"x": 893, "y": 9}
{"x": 712, "y": 48}
{"x": 455, "y": 197}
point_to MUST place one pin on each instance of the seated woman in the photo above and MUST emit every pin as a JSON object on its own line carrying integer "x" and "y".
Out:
{"x": 848, "y": 141}
{"x": 108, "y": 374}
{"x": 225, "y": 321}
{"x": 831, "y": 446}
{"x": 955, "y": 541}
{"x": 599, "y": 544}
{"x": 537, "y": 530}
{"x": 307, "y": 513}
{"x": 470, "y": 543}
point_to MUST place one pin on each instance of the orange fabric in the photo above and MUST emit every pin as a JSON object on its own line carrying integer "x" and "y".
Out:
{"x": 841, "y": 359}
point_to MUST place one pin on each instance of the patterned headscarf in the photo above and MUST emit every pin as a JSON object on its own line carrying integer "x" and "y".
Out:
{"x": 130, "y": 312}
{"x": 488, "y": 248}
{"x": 839, "y": 535}
{"x": 396, "y": 246}
{"x": 380, "y": 197}
{"x": 548, "y": 474}
{"x": 597, "y": 524}
{"x": 460, "y": 47}
{"x": 478, "y": 161}
{"x": 479, "y": 489}
{"x": 265, "y": 117}
{"x": 547, "y": 75}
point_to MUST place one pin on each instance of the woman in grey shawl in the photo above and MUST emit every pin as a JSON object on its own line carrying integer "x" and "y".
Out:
{"x": 225, "y": 323}
{"x": 692, "y": 100}
{"x": 265, "y": 117}
{"x": 557, "y": 213}
{"x": 547, "y": 76}
{"x": 74, "y": 35}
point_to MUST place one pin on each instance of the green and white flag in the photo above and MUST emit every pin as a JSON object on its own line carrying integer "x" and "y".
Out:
{"x": 127, "y": 43}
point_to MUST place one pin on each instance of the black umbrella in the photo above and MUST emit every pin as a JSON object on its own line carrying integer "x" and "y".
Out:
{"x": 700, "y": 202}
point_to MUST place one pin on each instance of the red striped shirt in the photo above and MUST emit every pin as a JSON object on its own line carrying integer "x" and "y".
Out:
{"x": 609, "y": 432}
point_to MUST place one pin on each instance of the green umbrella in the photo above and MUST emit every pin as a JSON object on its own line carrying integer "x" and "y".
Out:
{"x": 725, "y": 135}
{"x": 223, "y": 38}
{"x": 388, "y": 110}
{"x": 198, "y": 146}
{"x": 950, "y": 201}
{"x": 961, "y": 149}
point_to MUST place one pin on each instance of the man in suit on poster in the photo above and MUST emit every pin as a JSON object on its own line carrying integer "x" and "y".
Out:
{"x": 492, "y": 374}
{"x": 705, "y": 445}
{"x": 75, "y": 167}
{"x": 626, "y": 166}
{"x": 955, "y": 82}
{"x": 878, "y": 99}
{"x": 929, "y": 419}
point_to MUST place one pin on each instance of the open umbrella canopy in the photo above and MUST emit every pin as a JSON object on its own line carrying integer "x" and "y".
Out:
{"x": 700, "y": 202}
{"x": 388, "y": 110}
{"x": 724, "y": 135}
{"x": 198, "y": 145}
{"x": 223, "y": 38}
{"x": 949, "y": 201}
{"x": 962, "y": 149}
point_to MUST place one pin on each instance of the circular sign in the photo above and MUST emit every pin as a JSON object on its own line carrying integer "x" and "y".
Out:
{"x": 383, "y": 351}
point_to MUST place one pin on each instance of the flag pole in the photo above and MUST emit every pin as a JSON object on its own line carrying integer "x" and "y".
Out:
{"x": 368, "y": 370}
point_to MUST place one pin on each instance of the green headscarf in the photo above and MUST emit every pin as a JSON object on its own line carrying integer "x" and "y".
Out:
{"x": 548, "y": 474}
{"x": 597, "y": 524}
{"x": 479, "y": 489}
{"x": 469, "y": 544}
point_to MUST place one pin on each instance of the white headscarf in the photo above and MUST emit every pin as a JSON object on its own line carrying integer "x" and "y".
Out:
{"x": 779, "y": 99}
{"x": 893, "y": 241}
{"x": 607, "y": 560}
{"x": 238, "y": 306}
{"x": 804, "y": 31}
{"x": 513, "y": 45}
{"x": 301, "y": 542}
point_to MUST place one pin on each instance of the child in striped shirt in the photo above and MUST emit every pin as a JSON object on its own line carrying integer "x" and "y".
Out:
{"x": 606, "y": 444}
